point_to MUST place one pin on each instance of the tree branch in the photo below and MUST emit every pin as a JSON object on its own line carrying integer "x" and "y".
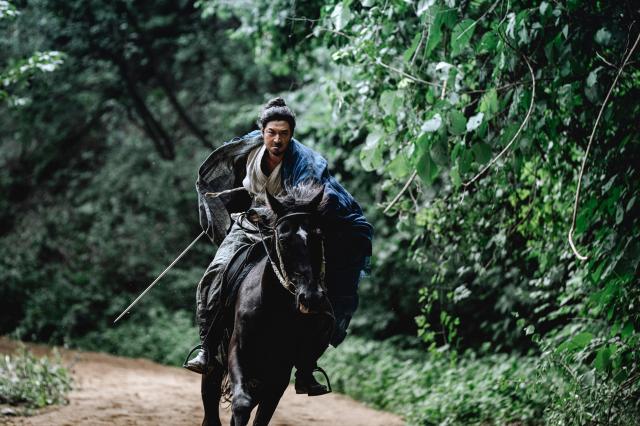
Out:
{"x": 404, "y": 188}
{"x": 409, "y": 76}
{"x": 586, "y": 154}
{"x": 493, "y": 6}
{"x": 513, "y": 139}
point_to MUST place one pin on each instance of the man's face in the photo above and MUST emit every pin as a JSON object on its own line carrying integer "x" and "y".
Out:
{"x": 276, "y": 135}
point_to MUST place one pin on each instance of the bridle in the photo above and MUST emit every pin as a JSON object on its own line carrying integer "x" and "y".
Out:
{"x": 279, "y": 269}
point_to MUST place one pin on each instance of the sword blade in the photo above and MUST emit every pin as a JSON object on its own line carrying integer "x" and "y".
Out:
{"x": 158, "y": 279}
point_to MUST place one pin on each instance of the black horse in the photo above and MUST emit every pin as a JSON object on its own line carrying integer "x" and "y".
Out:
{"x": 281, "y": 316}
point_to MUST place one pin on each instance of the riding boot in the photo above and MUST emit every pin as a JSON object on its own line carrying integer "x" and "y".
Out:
{"x": 306, "y": 383}
{"x": 198, "y": 364}
{"x": 312, "y": 344}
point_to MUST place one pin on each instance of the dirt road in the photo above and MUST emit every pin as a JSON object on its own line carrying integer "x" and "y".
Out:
{"x": 110, "y": 390}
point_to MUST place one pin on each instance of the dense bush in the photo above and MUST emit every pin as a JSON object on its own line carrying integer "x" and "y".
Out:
{"x": 155, "y": 333}
{"x": 33, "y": 382}
{"x": 477, "y": 121}
{"x": 432, "y": 389}
{"x": 439, "y": 389}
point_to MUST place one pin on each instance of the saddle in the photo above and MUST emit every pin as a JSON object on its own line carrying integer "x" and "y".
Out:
{"x": 241, "y": 262}
{"x": 236, "y": 271}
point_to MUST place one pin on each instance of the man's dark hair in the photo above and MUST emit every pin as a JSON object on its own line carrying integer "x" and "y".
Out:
{"x": 275, "y": 110}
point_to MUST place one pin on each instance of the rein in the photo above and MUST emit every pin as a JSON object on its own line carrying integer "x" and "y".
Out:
{"x": 279, "y": 269}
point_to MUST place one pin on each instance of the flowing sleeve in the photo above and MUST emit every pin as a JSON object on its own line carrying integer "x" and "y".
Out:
{"x": 224, "y": 169}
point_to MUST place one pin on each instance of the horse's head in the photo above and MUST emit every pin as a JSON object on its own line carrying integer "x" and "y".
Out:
{"x": 299, "y": 246}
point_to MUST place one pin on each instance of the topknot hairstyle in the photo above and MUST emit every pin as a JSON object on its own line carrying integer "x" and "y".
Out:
{"x": 275, "y": 110}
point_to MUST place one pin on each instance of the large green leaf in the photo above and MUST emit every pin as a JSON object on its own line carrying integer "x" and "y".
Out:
{"x": 371, "y": 153}
{"x": 464, "y": 160}
{"x": 390, "y": 101}
{"x": 578, "y": 342}
{"x": 455, "y": 177}
{"x": 488, "y": 42}
{"x": 435, "y": 32}
{"x": 481, "y": 152}
{"x": 427, "y": 168}
{"x": 408, "y": 54}
{"x": 399, "y": 167}
{"x": 603, "y": 357}
{"x": 489, "y": 103}
{"x": 457, "y": 123}
{"x": 341, "y": 16}
{"x": 461, "y": 36}
{"x": 439, "y": 151}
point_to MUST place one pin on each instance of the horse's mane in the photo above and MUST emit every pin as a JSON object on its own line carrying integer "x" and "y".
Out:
{"x": 296, "y": 198}
{"x": 300, "y": 195}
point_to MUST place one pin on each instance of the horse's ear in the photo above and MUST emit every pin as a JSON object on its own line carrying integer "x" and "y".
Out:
{"x": 317, "y": 199}
{"x": 275, "y": 205}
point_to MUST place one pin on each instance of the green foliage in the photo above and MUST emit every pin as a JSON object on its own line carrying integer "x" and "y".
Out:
{"x": 436, "y": 388}
{"x": 430, "y": 389}
{"x": 425, "y": 94}
{"x": 18, "y": 72}
{"x": 33, "y": 382}
{"x": 439, "y": 89}
{"x": 155, "y": 333}
{"x": 7, "y": 10}
{"x": 93, "y": 264}
{"x": 92, "y": 212}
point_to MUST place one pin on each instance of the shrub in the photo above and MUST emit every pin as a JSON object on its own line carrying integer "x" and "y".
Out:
{"x": 430, "y": 388}
{"x": 157, "y": 334}
{"x": 33, "y": 382}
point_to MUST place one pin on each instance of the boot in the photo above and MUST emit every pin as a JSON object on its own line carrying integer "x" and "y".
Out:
{"x": 306, "y": 383}
{"x": 197, "y": 364}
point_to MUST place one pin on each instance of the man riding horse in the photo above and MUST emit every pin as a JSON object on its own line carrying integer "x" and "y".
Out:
{"x": 270, "y": 160}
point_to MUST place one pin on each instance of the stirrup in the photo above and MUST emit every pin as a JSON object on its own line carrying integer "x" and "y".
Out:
{"x": 186, "y": 360}
{"x": 311, "y": 386}
{"x": 326, "y": 376}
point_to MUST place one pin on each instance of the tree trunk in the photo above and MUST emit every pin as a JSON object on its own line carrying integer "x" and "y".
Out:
{"x": 166, "y": 85}
{"x": 161, "y": 140}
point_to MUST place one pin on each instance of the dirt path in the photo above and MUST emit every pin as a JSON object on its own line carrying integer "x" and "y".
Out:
{"x": 110, "y": 390}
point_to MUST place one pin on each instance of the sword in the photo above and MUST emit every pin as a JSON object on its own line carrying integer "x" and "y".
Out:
{"x": 159, "y": 276}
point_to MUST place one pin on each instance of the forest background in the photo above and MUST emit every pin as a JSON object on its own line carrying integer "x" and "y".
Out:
{"x": 493, "y": 144}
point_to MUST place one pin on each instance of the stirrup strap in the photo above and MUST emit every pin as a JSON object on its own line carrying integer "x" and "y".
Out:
{"x": 195, "y": 348}
{"x": 326, "y": 376}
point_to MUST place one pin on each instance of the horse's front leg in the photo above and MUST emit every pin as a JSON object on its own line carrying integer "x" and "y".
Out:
{"x": 271, "y": 394}
{"x": 242, "y": 402}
